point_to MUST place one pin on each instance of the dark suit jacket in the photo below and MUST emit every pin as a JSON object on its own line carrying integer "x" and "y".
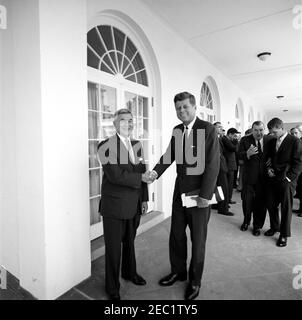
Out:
{"x": 230, "y": 149}
{"x": 122, "y": 188}
{"x": 287, "y": 161}
{"x": 254, "y": 168}
{"x": 207, "y": 152}
{"x": 223, "y": 162}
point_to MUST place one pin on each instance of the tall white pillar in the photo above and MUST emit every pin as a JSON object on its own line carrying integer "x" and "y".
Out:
{"x": 50, "y": 89}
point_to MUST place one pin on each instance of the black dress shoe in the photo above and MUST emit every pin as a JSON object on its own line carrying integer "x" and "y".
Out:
{"x": 232, "y": 202}
{"x": 114, "y": 297}
{"x": 171, "y": 279}
{"x": 256, "y": 232}
{"x": 227, "y": 213}
{"x": 244, "y": 227}
{"x": 282, "y": 242}
{"x": 270, "y": 232}
{"x": 191, "y": 292}
{"x": 137, "y": 280}
{"x": 297, "y": 211}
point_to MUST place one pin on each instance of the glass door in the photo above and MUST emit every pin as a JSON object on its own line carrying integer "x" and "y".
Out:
{"x": 101, "y": 108}
{"x": 139, "y": 106}
{"x": 103, "y": 100}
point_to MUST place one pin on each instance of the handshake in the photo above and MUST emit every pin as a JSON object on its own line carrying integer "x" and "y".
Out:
{"x": 149, "y": 176}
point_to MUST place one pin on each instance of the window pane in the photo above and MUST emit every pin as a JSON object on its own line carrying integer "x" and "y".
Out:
{"x": 119, "y": 39}
{"x": 93, "y": 159}
{"x": 94, "y": 211}
{"x": 142, "y": 78}
{"x": 130, "y": 49}
{"x": 130, "y": 101}
{"x": 92, "y": 60}
{"x": 94, "y": 40}
{"x": 140, "y": 128}
{"x": 108, "y": 99}
{"x": 94, "y": 182}
{"x": 93, "y": 96}
{"x": 105, "y": 32}
{"x": 146, "y": 129}
{"x": 106, "y": 69}
{"x": 108, "y": 107}
{"x": 146, "y": 150}
{"x": 93, "y": 125}
{"x": 145, "y": 108}
{"x": 107, "y": 60}
{"x": 131, "y": 78}
{"x": 129, "y": 70}
{"x": 138, "y": 63}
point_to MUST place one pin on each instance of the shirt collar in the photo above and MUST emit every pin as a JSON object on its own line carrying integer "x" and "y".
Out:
{"x": 282, "y": 137}
{"x": 190, "y": 125}
{"x": 261, "y": 141}
{"x": 124, "y": 139}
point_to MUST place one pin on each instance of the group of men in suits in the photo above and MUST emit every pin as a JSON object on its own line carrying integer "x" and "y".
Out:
{"x": 194, "y": 147}
{"x": 271, "y": 168}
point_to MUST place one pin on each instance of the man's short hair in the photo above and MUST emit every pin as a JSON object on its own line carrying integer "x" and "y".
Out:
{"x": 121, "y": 111}
{"x": 216, "y": 123}
{"x": 275, "y": 123}
{"x": 185, "y": 95}
{"x": 299, "y": 127}
{"x": 248, "y": 131}
{"x": 257, "y": 123}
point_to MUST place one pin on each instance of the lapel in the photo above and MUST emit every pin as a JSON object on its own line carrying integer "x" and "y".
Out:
{"x": 283, "y": 144}
{"x": 136, "y": 157}
{"x": 122, "y": 150}
{"x": 191, "y": 136}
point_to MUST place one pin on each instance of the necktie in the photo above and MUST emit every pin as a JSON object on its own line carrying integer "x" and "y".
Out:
{"x": 278, "y": 143}
{"x": 184, "y": 138}
{"x": 259, "y": 147}
{"x": 130, "y": 151}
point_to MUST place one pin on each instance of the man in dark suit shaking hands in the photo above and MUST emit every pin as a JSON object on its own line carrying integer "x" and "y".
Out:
{"x": 124, "y": 199}
{"x": 195, "y": 148}
{"x": 285, "y": 158}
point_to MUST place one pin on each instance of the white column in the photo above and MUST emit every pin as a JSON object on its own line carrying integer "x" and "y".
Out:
{"x": 63, "y": 45}
{"x": 52, "y": 152}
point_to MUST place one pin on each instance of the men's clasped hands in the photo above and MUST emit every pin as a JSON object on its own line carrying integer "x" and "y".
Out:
{"x": 149, "y": 176}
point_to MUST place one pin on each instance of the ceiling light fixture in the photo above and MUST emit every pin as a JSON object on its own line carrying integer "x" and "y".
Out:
{"x": 280, "y": 97}
{"x": 263, "y": 55}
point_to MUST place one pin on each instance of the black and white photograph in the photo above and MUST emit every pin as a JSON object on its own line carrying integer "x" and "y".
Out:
{"x": 151, "y": 152}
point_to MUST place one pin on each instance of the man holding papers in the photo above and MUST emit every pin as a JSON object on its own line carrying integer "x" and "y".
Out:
{"x": 195, "y": 148}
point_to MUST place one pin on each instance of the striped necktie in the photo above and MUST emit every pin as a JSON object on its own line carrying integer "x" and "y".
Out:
{"x": 130, "y": 150}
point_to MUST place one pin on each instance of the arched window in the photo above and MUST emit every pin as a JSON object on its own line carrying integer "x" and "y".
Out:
{"x": 207, "y": 108}
{"x": 111, "y": 51}
{"x": 117, "y": 78}
{"x": 250, "y": 117}
{"x": 239, "y": 116}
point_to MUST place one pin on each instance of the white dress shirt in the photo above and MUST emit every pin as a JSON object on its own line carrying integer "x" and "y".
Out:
{"x": 126, "y": 141}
